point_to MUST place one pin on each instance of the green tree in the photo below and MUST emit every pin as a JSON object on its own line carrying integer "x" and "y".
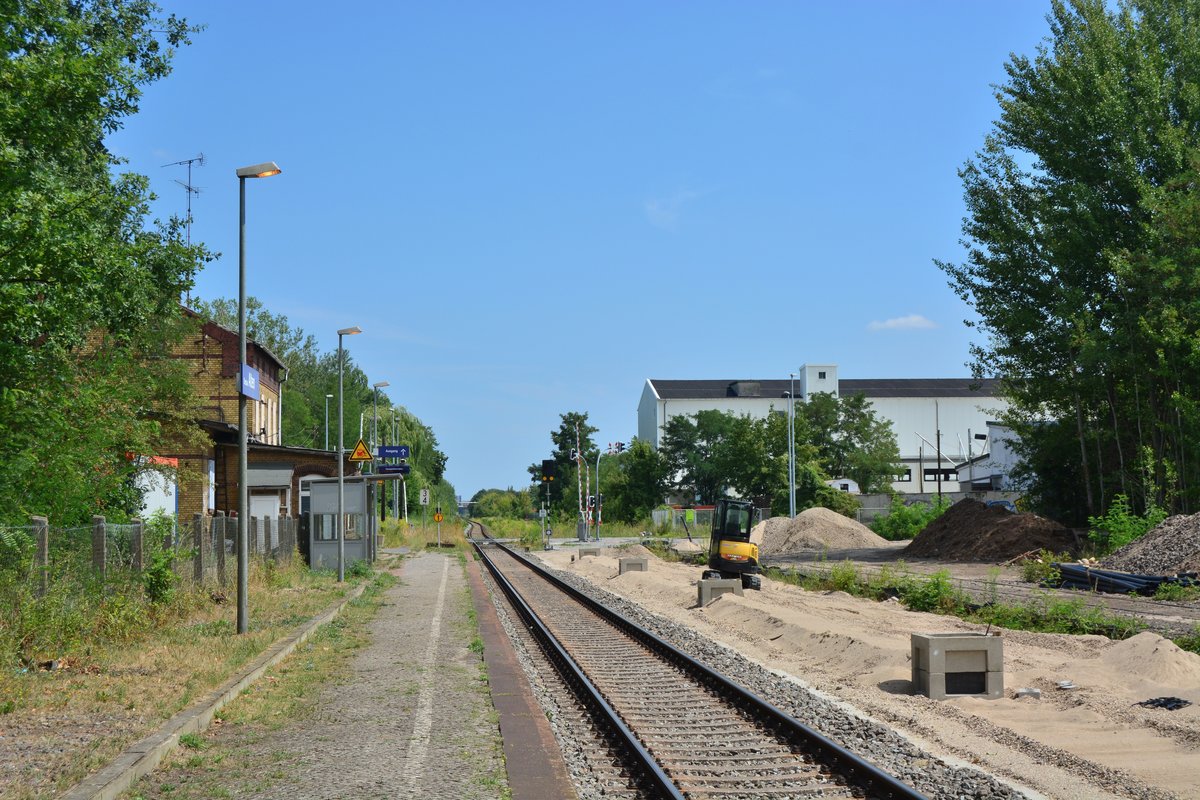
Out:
{"x": 573, "y": 428}
{"x": 89, "y": 287}
{"x": 850, "y": 440}
{"x": 636, "y": 485}
{"x": 1081, "y": 260}
{"x": 694, "y": 448}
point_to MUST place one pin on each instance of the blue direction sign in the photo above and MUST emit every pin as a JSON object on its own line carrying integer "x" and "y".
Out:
{"x": 250, "y": 382}
{"x": 393, "y": 469}
{"x": 393, "y": 451}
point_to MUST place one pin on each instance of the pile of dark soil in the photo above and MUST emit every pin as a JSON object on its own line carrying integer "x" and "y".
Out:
{"x": 971, "y": 531}
{"x": 1173, "y": 546}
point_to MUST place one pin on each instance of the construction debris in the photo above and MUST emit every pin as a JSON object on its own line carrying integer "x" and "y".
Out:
{"x": 971, "y": 531}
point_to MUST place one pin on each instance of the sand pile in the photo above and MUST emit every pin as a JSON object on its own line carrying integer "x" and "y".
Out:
{"x": 1154, "y": 658}
{"x": 813, "y": 529}
{"x": 684, "y": 546}
{"x": 634, "y": 550}
{"x": 1172, "y": 546}
{"x": 971, "y": 531}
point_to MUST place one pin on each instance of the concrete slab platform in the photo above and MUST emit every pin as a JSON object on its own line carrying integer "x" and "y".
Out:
{"x": 535, "y": 765}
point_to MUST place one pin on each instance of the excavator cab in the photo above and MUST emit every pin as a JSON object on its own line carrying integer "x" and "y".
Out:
{"x": 731, "y": 554}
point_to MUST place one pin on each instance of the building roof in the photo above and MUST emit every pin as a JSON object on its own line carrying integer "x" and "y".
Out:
{"x": 871, "y": 387}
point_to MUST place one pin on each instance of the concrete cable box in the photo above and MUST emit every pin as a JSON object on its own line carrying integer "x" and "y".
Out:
{"x": 957, "y": 665}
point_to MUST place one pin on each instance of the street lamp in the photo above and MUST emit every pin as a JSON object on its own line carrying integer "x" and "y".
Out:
{"x": 341, "y": 517}
{"x": 328, "y": 397}
{"x": 247, "y": 380}
{"x": 792, "y": 445}
{"x": 375, "y": 387}
{"x": 375, "y": 446}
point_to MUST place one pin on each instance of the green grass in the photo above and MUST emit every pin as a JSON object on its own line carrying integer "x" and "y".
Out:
{"x": 1045, "y": 612}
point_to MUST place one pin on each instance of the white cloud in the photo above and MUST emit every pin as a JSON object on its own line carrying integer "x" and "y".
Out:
{"x": 664, "y": 212}
{"x": 909, "y": 323}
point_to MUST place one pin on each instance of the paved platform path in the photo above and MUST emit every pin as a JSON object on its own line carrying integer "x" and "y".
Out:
{"x": 414, "y": 719}
{"x": 410, "y": 717}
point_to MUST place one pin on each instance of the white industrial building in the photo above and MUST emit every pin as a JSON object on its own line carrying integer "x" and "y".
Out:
{"x": 916, "y": 408}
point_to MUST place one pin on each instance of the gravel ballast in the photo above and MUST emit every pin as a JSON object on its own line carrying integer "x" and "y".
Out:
{"x": 877, "y": 743}
{"x": 1173, "y": 546}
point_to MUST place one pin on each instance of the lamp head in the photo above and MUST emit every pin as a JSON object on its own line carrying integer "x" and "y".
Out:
{"x": 263, "y": 170}
{"x": 329, "y": 396}
{"x": 353, "y": 329}
{"x": 380, "y": 385}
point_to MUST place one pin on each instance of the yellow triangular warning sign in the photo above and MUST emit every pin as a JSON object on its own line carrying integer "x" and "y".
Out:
{"x": 361, "y": 453}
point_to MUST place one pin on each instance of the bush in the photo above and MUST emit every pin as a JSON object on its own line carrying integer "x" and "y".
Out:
{"x": 844, "y": 577}
{"x": 906, "y": 521}
{"x": 158, "y": 577}
{"x": 1039, "y": 569}
{"x": 935, "y": 593}
{"x": 1119, "y": 526}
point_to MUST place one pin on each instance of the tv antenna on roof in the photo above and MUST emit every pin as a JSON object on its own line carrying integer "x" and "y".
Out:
{"x": 191, "y": 190}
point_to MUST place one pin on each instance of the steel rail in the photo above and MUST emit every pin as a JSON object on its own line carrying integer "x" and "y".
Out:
{"x": 861, "y": 772}
{"x": 659, "y": 781}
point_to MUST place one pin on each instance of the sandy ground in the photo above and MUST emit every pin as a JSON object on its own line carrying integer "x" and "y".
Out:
{"x": 1058, "y": 746}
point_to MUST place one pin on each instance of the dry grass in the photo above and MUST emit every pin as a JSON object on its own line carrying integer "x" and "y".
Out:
{"x": 416, "y": 538}
{"x": 62, "y": 724}
{"x": 223, "y": 759}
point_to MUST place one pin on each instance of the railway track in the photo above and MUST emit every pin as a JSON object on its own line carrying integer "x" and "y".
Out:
{"x": 680, "y": 729}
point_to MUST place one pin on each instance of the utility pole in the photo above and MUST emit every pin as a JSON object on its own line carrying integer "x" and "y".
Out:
{"x": 792, "y": 445}
{"x": 937, "y": 424}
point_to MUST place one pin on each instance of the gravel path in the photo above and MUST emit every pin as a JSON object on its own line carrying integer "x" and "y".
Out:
{"x": 411, "y": 717}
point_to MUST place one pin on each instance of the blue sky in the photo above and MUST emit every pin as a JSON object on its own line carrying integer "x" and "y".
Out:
{"x": 530, "y": 208}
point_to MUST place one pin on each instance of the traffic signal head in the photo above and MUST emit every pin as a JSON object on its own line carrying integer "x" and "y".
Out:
{"x": 620, "y": 447}
{"x": 548, "y": 469}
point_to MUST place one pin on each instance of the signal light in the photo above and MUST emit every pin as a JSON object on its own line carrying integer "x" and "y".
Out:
{"x": 548, "y": 469}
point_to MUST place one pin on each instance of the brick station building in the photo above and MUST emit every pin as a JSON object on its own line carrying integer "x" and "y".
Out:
{"x": 208, "y": 479}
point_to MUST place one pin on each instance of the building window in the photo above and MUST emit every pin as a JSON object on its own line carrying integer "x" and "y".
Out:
{"x": 821, "y": 376}
{"x": 947, "y": 475}
{"x": 845, "y": 487}
{"x": 904, "y": 477}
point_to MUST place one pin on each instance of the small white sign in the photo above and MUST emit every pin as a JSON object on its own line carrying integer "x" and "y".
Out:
{"x": 424, "y": 497}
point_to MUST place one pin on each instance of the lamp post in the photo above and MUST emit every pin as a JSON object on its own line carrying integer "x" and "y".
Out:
{"x": 341, "y": 517}
{"x": 792, "y": 445}
{"x": 396, "y": 494}
{"x": 375, "y": 387}
{"x": 328, "y": 397}
{"x": 264, "y": 170}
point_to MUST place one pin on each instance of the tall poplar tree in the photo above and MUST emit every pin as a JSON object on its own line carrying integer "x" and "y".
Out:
{"x": 1084, "y": 286}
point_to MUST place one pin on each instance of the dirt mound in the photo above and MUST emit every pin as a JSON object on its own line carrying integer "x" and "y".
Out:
{"x": 634, "y": 550}
{"x": 1154, "y": 658}
{"x": 813, "y": 529}
{"x": 684, "y": 546}
{"x": 1172, "y": 546}
{"x": 971, "y": 531}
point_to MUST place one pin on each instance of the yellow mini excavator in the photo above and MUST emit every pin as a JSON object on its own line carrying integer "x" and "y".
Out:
{"x": 731, "y": 554}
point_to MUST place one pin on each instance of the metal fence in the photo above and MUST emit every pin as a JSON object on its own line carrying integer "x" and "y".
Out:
{"x": 695, "y": 520}
{"x": 198, "y": 550}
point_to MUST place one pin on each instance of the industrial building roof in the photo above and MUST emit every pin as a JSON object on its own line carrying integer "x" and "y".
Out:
{"x": 871, "y": 387}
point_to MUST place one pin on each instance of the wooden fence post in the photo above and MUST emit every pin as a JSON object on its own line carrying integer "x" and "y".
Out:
{"x": 252, "y": 545}
{"x": 268, "y": 531}
{"x": 99, "y": 545}
{"x": 198, "y": 542}
{"x": 41, "y": 558}
{"x": 135, "y": 542}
